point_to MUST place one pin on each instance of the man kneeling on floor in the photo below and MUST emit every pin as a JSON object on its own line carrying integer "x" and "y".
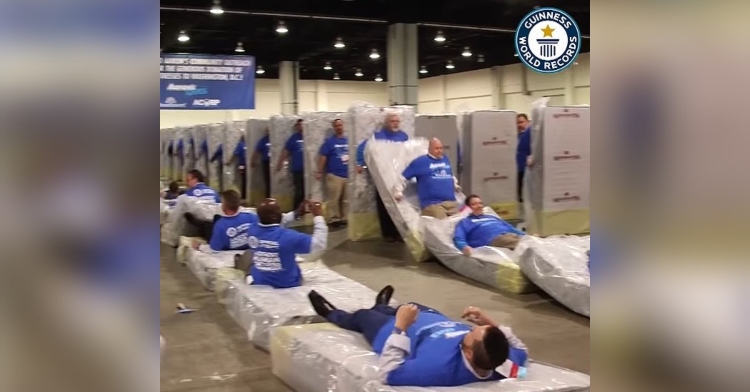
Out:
{"x": 275, "y": 248}
{"x": 480, "y": 229}
{"x": 419, "y": 346}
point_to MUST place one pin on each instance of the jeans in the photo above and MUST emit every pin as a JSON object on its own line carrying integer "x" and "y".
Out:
{"x": 520, "y": 186}
{"x": 368, "y": 322}
{"x": 267, "y": 177}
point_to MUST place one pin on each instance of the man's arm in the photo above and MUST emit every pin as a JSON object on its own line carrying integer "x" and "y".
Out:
{"x": 361, "y": 153}
{"x": 459, "y": 237}
{"x": 397, "y": 348}
{"x": 408, "y": 174}
{"x": 282, "y": 158}
{"x": 320, "y": 235}
{"x": 288, "y": 218}
{"x": 219, "y": 241}
{"x": 321, "y": 166}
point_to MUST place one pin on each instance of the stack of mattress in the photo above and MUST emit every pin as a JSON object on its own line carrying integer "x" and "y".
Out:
{"x": 363, "y": 121}
{"x": 557, "y": 186}
{"x": 282, "y": 185}
{"x": 254, "y": 131}
{"x": 559, "y": 266}
{"x": 215, "y": 138}
{"x": 322, "y": 358}
{"x": 233, "y": 133}
{"x": 259, "y": 309}
{"x": 201, "y": 158}
{"x": 495, "y": 267}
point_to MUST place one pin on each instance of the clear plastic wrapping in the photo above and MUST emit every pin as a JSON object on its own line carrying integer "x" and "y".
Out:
{"x": 215, "y": 139}
{"x": 363, "y": 121}
{"x": 184, "y": 245}
{"x": 559, "y": 266}
{"x": 282, "y": 185}
{"x": 495, "y": 267}
{"x": 201, "y": 157}
{"x": 318, "y": 127}
{"x": 254, "y": 131}
{"x": 324, "y": 358}
{"x": 205, "y": 266}
{"x": 259, "y": 309}
{"x": 165, "y": 138}
{"x": 233, "y": 133}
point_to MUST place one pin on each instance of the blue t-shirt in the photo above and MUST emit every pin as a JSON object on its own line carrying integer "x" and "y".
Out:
{"x": 383, "y": 134}
{"x": 296, "y": 147}
{"x": 524, "y": 149}
{"x": 436, "y": 359}
{"x": 263, "y": 148}
{"x": 275, "y": 251}
{"x": 336, "y": 150}
{"x": 203, "y": 192}
{"x": 480, "y": 230}
{"x": 230, "y": 232}
{"x": 435, "y": 183}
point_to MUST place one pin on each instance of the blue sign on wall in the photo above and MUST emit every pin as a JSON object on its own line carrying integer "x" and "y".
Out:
{"x": 205, "y": 82}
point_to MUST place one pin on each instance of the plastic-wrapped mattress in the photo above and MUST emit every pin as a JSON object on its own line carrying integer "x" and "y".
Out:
{"x": 495, "y": 267}
{"x": 559, "y": 266}
{"x": 386, "y": 161}
{"x": 205, "y": 266}
{"x": 233, "y": 134}
{"x": 259, "y": 309}
{"x": 282, "y": 185}
{"x": 325, "y": 358}
{"x": 184, "y": 245}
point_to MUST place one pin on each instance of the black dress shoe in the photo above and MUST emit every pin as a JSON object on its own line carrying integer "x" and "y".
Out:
{"x": 321, "y": 305}
{"x": 384, "y": 296}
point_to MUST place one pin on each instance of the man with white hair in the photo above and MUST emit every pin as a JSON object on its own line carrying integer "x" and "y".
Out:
{"x": 391, "y": 131}
{"x": 436, "y": 185}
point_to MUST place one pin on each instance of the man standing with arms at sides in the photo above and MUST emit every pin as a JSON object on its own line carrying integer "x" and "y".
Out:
{"x": 334, "y": 164}
{"x": 263, "y": 153}
{"x": 523, "y": 151}
{"x": 391, "y": 131}
{"x": 294, "y": 150}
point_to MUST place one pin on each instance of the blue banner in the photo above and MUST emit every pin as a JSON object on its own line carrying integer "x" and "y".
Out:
{"x": 205, "y": 82}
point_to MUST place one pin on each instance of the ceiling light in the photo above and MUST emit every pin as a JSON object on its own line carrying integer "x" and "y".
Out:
{"x": 216, "y": 9}
{"x": 339, "y": 43}
{"x": 336, "y": 76}
{"x": 480, "y": 58}
{"x": 423, "y": 70}
{"x": 450, "y": 65}
{"x": 467, "y": 52}
{"x": 327, "y": 67}
{"x": 439, "y": 37}
{"x": 359, "y": 73}
{"x": 240, "y": 48}
{"x": 281, "y": 28}
{"x": 183, "y": 37}
{"x": 378, "y": 78}
{"x": 515, "y": 54}
{"x": 374, "y": 54}
{"x": 260, "y": 70}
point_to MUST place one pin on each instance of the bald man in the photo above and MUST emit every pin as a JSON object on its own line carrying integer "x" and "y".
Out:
{"x": 436, "y": 185}
{"x": 275, "y": 248}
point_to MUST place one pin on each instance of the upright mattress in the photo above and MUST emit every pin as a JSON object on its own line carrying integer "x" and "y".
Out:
{"x": 282, "y": 186}
{"x": 323, "y": 358}
{"x": 559, "y": 266}
{"x": 254, "y": 131}
{"x": 233, "y": 134}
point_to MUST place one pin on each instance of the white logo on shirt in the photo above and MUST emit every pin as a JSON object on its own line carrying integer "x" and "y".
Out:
{"x": 439, "y": 165}
{"x": 231, "y": 232}
{"x": 197, "y": 192}
{"x": 253, "y": 242}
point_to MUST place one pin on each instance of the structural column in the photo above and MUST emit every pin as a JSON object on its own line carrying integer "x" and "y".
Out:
{"x": 289, "y": 86}
{"x": 570, "y": 86}
{"x": 403, "y": 64}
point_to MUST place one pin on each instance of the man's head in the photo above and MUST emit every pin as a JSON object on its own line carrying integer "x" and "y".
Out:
{"x": 392, "y": 121}
{"x": 435, "y": 148}
{"x": 522, "y": 122}
{"x": 174, "y": 187}
{"x": 298, "y": 126}
{"x": 338, "y": 127}
{"x": 475, "y": 203}
{"x": 230, "y": 202}
{"x": 486, "y": 347}
{"x": 193, "y": 177}
{"x": 269, "y": 212}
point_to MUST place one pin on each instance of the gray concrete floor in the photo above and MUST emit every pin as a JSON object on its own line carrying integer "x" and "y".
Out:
{"x": 207, "y": 351}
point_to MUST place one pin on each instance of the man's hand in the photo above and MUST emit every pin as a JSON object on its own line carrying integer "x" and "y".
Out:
{"x": 316, "y": 208}
{"x": 196, "y": 244}
{"x": 467, "y": 250}
{"x": 406, "y": 316}
{"x": 360, "y": 169}
{"x": 319, "y": 176}
{"x": 476, "y": 316}
{"x": 398, "y": 197}
{"x": 302, "y": 208}
{"x": 458, "y": 188}
{"x": 530, "y": 161}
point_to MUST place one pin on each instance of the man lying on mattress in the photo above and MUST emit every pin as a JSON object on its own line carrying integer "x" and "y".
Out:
{"x": 419, "y": 346}
{"x": 436, "y": 184}
{"x": 479, "y": 229}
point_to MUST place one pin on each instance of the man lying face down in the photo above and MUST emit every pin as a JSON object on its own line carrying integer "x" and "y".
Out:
{"x": 419, "y": 346}
{"x": 275, "y": 248}
{"x": 479, "y": 229}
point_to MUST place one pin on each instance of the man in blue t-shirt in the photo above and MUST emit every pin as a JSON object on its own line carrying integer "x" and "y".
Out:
{"x": 419, "y": 346}
{"x": 334, "y": 163}
{"x": 197, "y": 188}
{"x": 523, "y": 151}
{"x": 479, "y": 229}
{"x": 275, "y": 248}
{"x": 436, "y": 184}
{"x": 391, "y": 131}
{"x": 263, "y": 153}
{"x": 230, "y": 231}
{"x": 294, "y": 150}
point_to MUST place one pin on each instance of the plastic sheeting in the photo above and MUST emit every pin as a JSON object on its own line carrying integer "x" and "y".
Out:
{"x": 325, "y": 358}
{"x": 559, "y": 266}
{"x": 233, "y": 133}
{"x": 364, "y": 120}
{"x": 494, "y": 267}
{"x": 282, "y": 185}
{"x": 254, "y": 131}
{"x": 490, "y": 139}
{"x": 258, "y": 309}
{"x": 184, "y": 245}
{"x": 205, "y": 266}
{"x": 557, "y": 186}
{"x": 215, "y": 138}
{"x": 318, "y": 127}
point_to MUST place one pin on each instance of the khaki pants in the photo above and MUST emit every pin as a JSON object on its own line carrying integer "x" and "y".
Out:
{"x": 336, "y": 195}
{"x": 509, "y": 241}
{"x": 442, "y": 210}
